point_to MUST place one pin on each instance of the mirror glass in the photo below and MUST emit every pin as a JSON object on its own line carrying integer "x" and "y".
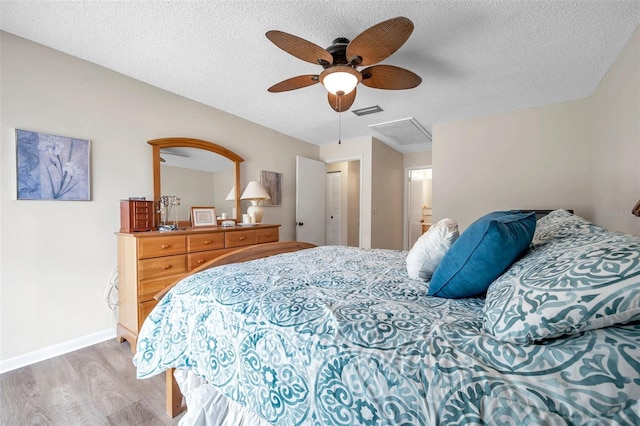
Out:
{"x": 199, "y": 173}
{"x": 198, "y": 178}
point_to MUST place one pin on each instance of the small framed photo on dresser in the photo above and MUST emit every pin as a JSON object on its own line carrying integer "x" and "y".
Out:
{"x": 203, "y": 216}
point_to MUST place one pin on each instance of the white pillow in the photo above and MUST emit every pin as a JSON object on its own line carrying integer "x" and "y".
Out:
{"x": 428, "y": 251}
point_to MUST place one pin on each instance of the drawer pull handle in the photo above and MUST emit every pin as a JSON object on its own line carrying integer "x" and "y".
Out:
{"x": 164, "y": 246}
{"x": 208, "y": 242}
{"x": 165, "y": 267}
{"x": 200, "y": 261}
{"x": 242, "y": 238}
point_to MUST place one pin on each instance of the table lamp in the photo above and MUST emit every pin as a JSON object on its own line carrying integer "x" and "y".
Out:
{"x": 255, "y": 193}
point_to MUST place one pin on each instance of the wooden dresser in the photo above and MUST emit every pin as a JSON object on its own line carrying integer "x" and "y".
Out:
{"x": 150, "y": 261}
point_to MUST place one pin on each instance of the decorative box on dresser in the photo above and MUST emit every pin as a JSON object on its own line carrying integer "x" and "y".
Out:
{"x": 150, "y": 261}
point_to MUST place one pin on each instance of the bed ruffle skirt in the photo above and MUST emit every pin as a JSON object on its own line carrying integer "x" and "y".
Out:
{"x": 208, "y": 407}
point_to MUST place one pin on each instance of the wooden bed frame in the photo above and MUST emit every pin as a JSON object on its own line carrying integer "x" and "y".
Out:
{"x": 174, "y": 405}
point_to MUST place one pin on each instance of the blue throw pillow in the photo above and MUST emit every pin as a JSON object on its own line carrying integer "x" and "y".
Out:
{"x": 482, "y": 253}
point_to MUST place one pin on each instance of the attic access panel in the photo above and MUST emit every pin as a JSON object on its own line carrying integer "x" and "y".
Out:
{"x": 406, "y": 133}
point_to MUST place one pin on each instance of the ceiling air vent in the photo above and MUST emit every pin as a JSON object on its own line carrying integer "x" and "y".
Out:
{"x": 405, "y": 134}
{"x": 367, "y": 110}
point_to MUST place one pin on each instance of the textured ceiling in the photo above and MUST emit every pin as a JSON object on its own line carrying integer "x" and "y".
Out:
{"x": 475, "y": 58}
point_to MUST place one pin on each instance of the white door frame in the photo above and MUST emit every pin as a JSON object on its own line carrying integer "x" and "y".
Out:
{"x": 405, "y": 214}
{"x": 357, "y": 158}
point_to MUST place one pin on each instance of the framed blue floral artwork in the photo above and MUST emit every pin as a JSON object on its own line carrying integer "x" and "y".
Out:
{"x": 51, "y": 167}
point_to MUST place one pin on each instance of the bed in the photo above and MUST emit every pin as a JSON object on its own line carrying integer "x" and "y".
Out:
{"x": 343, "y": 336}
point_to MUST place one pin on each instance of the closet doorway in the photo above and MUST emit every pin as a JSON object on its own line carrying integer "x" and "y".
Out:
{"x": 419, "y": 203}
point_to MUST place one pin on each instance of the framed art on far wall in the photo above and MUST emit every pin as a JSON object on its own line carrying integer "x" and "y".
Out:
{"x": 203, "y": 216}
{"x": 272, "y": 182}
{"x": 51, "y": 167}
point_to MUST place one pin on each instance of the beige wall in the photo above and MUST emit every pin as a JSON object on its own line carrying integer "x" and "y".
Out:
{"x": 353, "y": 231}
{"x": 56, "y": 257}
{"x": 535, "y": 158}
{"x": 417, "y": 159}
{"x": 548, "y": 157}
{"x": 615, "y": 143}
{"x": 386, "y": 198}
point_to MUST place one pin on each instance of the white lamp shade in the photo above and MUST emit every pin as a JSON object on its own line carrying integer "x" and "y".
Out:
{"x": 232, "y": 194}
{"x": 255, "y": 191}
{"x": 340, "y": 78}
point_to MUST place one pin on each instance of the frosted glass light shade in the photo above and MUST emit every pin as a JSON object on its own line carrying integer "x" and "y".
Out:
{"x": 255, "y": 191}
{"x": 340, "y": 78}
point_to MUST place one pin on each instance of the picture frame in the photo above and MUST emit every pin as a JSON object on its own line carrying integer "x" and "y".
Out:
{"x": 272, "y": 183}
{"x": 203, "y": 216}
{"x": 52, "y": 167}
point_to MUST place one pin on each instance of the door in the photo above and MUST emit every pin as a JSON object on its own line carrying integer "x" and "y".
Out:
{"x": 334, "y": 202}
{"x": 310, "y": 200}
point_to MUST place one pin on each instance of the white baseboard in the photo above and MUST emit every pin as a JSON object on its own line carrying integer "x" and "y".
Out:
{"x": 56, "y": 350}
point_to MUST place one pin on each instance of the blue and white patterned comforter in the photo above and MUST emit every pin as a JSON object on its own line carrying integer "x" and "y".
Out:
{"x": 341, "y": 336}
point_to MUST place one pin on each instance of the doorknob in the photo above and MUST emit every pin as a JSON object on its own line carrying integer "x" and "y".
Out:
{"x": 300, "y": 223}
{"x": 331, "y": 217}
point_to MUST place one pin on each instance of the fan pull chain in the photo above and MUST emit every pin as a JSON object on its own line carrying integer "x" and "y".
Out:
{"x": 339, "y": 120}
{"x": 339, "y": 128}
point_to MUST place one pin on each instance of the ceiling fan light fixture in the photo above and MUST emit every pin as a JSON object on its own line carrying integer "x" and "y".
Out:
{"x": 340, "y": 78}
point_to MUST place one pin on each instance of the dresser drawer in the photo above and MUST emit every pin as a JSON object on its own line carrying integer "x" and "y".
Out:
{"x": 266, "y": 235}
{"x": 149, "y": 288}
{"x": 196, "y": 259}
{"x": 203, "y": 242}
{"x": 161, "y": 246}
{"x": 160, "y": 267}
{"x": 239, "y": 238}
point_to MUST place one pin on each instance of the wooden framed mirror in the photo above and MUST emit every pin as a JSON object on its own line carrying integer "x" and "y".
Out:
{"x": 172, "y": 146}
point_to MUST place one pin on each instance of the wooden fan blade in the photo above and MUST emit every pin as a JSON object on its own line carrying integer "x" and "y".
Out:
{"x": 389, "y": 77}
{"x": 299, "y": 47}
{"x": 380, "y": 41}
{"x": 293, "y": 83}
{"x": 341, "y": 103}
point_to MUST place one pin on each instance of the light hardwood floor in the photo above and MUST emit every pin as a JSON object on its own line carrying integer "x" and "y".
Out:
{"x": 96, "y": 385}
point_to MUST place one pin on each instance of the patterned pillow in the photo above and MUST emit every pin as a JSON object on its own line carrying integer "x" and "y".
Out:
{"x": 587, "y": 280}
{"x": 559, "y": 224}
{"x": 430, "y": 248}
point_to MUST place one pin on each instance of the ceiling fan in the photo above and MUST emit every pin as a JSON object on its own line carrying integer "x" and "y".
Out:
{"x": 342, "y": 59}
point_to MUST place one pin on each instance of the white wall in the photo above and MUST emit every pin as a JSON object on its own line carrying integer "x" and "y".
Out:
{"x": 56, "y": 256}
{"x": 582, "y": 154}
{"x": 615, "y": 144}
